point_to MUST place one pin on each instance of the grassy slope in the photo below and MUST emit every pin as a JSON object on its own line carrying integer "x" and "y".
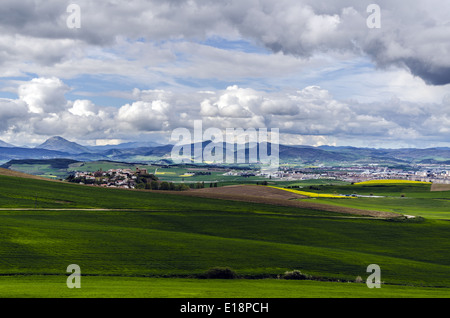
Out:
{"x": 150, "y": 243}
{"x": 171, "y": 235}
{"x": 12, "y": 173}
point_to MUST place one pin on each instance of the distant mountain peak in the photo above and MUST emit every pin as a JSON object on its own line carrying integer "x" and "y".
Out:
{"x": 58, "y": 143}
{"x": 57, "y": 138}
{"x": 5, "y": 144}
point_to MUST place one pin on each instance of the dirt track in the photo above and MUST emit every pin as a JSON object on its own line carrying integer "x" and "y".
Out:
{"x": 266, "y": 195}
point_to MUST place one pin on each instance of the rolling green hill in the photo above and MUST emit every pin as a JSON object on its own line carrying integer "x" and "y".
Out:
{"x": 44, "y": 227}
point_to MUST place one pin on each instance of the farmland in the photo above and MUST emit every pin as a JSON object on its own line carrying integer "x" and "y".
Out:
{"x": 125, "y": 240}
{"x": 415, "y": 199}
{"x": 315, "y": 195}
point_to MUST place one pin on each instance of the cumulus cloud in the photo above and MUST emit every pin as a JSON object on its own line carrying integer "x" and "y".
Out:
{"x": 83, "y": 108}
{"x": 234, "y": 103}
{"x": 314, "y": 115}
{"x": 143, "y": 116}
{"x": 44, "y": 95}
{"x": 12, "y": 112}
{"x": 311, "y": 115}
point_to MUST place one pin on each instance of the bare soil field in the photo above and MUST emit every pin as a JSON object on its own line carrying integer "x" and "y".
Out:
{"x": 261, "y": 194}
{"x": 440, "y": 187}
{"x": 253, "y": 191}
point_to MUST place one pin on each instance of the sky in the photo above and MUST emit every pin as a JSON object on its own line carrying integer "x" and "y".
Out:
{"x": 322, "y": 72}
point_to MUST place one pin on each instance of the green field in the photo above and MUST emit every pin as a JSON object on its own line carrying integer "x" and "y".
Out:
{"x": 132, "y": 239}
{"x": 309, "y": 182}
{"x": 40, "y": 170}
{"x": 410, "y": 199}
{"x": 140, "y": 287}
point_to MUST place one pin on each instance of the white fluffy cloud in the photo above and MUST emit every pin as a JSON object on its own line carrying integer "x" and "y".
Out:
{"x": 44, "y": 95}
{"x": 315, "y": 115}
{"x": 83, "y": 108}
{"x": 310, "y": 115}
{"x": 234, "y": 103}
{"x": 143, "y": 116}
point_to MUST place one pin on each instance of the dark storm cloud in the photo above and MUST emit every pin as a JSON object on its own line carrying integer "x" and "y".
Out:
{"x": 431, "y": 74}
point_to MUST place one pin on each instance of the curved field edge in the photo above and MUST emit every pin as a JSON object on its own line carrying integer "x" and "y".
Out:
{"x": 139, "y": 287}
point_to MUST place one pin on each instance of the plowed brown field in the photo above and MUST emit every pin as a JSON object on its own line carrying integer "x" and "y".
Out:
{"x": 440, "y": 187}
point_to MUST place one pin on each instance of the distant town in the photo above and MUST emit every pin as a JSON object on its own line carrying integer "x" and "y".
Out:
{"x": 426, "y": 173}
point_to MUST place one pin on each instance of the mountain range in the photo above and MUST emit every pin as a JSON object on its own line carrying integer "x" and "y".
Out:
{"x": 5, "y": 144}
{"x": 63, "y": 145}
{"x": 58, "y": 147}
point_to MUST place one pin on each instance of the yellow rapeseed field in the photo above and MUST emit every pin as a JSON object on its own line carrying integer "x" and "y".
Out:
{"x": 313, "y": 195}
